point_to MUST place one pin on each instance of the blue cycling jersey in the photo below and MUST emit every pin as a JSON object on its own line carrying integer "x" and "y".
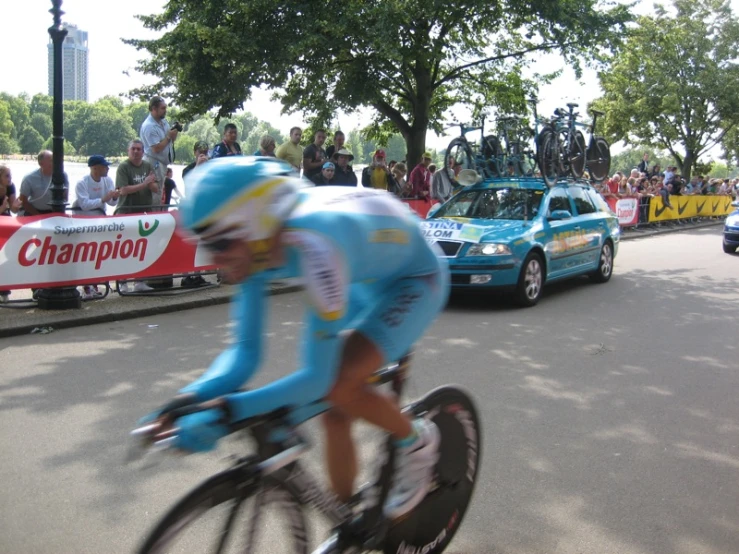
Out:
{"x": 365, "y": 265}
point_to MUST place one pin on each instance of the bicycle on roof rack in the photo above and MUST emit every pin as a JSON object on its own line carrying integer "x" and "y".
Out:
{"x": 471, "y": 156}
{"x": 232, "y": 511}
{"x": 516, "y": 159}
{"x": 561, "y": 149}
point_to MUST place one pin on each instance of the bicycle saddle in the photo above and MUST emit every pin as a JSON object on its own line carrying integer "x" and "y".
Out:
{"x": 572, "y": 105}
{"x": 597, "y": 112}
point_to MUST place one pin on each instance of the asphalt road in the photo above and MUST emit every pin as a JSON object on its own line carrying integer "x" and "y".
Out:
{"x": 611, "y": 421}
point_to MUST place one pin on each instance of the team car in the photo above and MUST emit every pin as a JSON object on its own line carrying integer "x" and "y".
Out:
{"x": 731, "y": 230}
{"x": 520, "y": 234}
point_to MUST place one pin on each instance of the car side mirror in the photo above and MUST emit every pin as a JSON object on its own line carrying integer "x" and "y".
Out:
{"x": 558, "y": 215}
{"x": 735, "y": 203}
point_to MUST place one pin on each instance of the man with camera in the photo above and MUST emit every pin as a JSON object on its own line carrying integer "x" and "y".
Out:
{"x": 158, "y": 138}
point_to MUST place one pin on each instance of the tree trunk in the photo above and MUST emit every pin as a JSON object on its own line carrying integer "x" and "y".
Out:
{"x": 687, "y": 167}
{"x": 415, "y": 145}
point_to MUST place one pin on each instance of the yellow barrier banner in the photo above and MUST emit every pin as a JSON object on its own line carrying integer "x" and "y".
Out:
{"x": 688, "y": 206}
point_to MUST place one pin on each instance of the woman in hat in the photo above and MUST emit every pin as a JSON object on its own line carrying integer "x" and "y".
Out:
{"x": 344, "y": 173}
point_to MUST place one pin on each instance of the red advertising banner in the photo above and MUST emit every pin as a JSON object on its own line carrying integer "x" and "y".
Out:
{"x": 421, "y": 207}
{"x": 58, "y": 249}
{"x": 626, "y": 209}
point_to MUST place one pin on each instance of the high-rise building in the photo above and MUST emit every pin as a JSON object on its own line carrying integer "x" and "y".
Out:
{"x": 74, "y": 64}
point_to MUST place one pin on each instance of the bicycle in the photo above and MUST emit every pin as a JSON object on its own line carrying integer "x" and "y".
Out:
{"x": 467, "y": 155}
{"x": 562, "y": 150}
{"x": 516, "y": 159}
{"x": 274, "y": 476}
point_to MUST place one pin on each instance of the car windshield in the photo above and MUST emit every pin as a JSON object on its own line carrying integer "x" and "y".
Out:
{"x": 496, "y": 203}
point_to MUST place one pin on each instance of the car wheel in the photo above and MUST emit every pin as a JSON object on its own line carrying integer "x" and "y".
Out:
{"x": 605, "y": 264}
{"x": 531, "y": 281}
{"x": 729, "y": 249}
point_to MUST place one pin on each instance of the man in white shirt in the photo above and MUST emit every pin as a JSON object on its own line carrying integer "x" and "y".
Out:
{"x": 95, "y": 190}
{"x": 158, "y": 139}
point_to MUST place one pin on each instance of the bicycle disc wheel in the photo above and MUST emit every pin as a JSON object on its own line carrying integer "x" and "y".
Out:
{"x": 599, "y": 159}
{"x": 221, "y": 516}
{"x": 459, "y": 149}
{"x": 493, "y": 158}
{"x": 577, "y": 155}
{"x": 430, "y": 527}
{"x": 548, "y": 156}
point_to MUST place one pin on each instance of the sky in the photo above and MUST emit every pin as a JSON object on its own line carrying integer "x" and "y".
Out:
{"x": 24, "y": 40}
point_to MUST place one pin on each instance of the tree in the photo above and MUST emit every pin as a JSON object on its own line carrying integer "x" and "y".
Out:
{"x": 204, "y": 130}
{"x": 674, "y": 83}
{"x": 18, "y": 109}
{"x": 137, "y": 112}
{"x": 42, "y": 103}
{"x": 30, "y": 141}
{"x": 183, "y": 148}
{"x": 408, "y": 60}
{"x": 106, "y": 131}
{"x": 69, "y": 149}
{"x": 42, "y": 123}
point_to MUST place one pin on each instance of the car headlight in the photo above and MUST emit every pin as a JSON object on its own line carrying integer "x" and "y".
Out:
{"x": 732, "y": 221}
{"x": 490, "y": 249}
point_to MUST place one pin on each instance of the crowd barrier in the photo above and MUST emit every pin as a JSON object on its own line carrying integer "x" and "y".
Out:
{"x": 58, "y": 250}
{"x": 418, "y": 205}
{"x": 632, "y": 210}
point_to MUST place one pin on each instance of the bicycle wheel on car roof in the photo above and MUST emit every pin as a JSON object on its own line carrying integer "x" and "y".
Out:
{"x": 460, "y": 150}
{"x": 577, "y": 155}
{"x": 430, "y": 527}
{"x": 222, "y": 515}
{"x": 599, "y": 159}
{"x": 547, "y": 155}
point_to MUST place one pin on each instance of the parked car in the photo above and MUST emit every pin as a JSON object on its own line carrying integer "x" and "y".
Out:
{"x": 520, "y": 234}
{"x": 731, "y": 230}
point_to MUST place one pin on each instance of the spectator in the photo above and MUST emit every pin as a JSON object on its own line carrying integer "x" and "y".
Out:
{"x": 290, "y": 150}
{"x": 170, "y": 188}
{"x": 267, "y": 147}
{"x": 643, "y": 166}
{"x": 228, "y": 146}
{"x": 377, "y": 175}
{"x": 137, "y": 183}
{"x": 336, "y": 146}
{"x": 314, "y": 155}
{"x": 656, "y": 171}
{"x": 432, "y": 170}
{"x": 326, "y": 176}
{"x": 158, "y": 140}
{"x": 400, "y": 170}
{"x": 420, "y": 179}
{"x": 442, "y": 183}
{"x": 8, "y": 203}
{"x": 344, "y": 173}
{"x": 96, "y": 189}
{"x": 201, "y": 156}
{"x": 391, "y": 165}
{"x": 35, "y": 194}
{"x": 613, "y": 184}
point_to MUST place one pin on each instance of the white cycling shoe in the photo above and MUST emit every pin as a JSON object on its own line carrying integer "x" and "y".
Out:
{"x": 414, "y": 470}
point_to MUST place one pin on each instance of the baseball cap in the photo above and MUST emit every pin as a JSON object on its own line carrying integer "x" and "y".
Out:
{"x": 328, "y": 165}
{"x": 380, "y": 153}
{"x": 97, "y": 159}
{"x": 427, "y": 155}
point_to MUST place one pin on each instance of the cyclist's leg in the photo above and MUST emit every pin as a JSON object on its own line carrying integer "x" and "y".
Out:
{"x": 385, "y": 331}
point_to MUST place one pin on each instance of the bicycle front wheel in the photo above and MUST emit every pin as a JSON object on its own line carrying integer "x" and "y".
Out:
{"x": 548, "y": 156}
{"x": 223, "y": 516}
{"x": 430, "y": 527}
{"x": 493, "y": 157}
{"x": 577, "y": 155}
{"x": 460, "y": 150}
{"x": 599, "y": 159}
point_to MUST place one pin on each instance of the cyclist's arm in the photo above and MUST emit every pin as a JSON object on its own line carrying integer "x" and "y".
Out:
{"x": 237, "y": 364}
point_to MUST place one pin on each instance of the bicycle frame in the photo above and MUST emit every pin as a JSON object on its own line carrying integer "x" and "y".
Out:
{"x": 278, "y": 461}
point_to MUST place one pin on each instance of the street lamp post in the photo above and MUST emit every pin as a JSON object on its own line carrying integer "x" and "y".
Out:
{"x": 60, "y": 298}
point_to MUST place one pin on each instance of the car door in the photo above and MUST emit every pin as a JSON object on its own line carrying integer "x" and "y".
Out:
{"x": 558, "y": 232}
{"x": 588, "y": 231}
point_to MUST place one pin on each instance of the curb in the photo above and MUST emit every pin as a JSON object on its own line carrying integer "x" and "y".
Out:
{"x": 643, "y": 233}
{"x": 75, "y": 319}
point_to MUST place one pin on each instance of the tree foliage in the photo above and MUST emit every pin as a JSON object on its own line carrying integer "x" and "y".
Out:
{"x": 30, "y": 141}
{"x": 42, "y": 123}
{"x": 674, "y": 83}
{"x": 409, "y": 60}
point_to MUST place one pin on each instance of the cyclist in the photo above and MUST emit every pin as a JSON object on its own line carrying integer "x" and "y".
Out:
{"x": 374, "y": 286}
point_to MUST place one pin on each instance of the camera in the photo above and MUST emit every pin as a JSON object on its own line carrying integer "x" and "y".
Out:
{"x": 177, "y": 125}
